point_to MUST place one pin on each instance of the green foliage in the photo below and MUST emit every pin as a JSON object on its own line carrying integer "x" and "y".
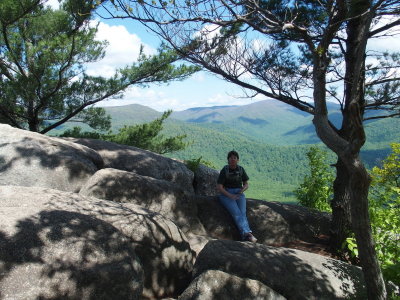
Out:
{"x": 207, "y": 163}
{"x": 194, "y": 163}
{"x": 393, "y": 296}
{"x": 76, "y": 132}
{"x": 384, "y": 212}
{"x": 9, "y": 12}
{"x": 274, "y": 170}
{"x": 316, "y": 189}
{"x": 351, "y": 245}
{"x": 384, "y": 205}
{"x": 145, "y": 136}
{"x": 97, "y": 118}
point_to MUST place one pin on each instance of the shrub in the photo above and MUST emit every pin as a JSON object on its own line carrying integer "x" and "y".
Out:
{"x": 384, "y": 209}
{"x": 316, "y": 189}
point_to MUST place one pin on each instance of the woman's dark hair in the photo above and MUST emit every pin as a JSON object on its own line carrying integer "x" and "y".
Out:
{"x": 233, "y": 153}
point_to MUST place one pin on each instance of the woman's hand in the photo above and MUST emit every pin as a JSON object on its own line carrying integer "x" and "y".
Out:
{"x": 234, "y": 196}
{"x": 222, "y": 190}
{"x": 245, "y": 187}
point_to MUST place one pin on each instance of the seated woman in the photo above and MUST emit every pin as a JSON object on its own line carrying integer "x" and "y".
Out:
{"x": 231, "y": 184}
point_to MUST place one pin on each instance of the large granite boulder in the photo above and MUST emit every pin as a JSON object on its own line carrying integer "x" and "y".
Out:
{"x": 293, "y": 274}
{"x": 214, "y": 284}
{"x": 161, "y": 196}
{"x": 32, "y": 159}
{"x": 273, "y": 223}
{"x": 205, "y": 181}
{"x": 48, "y": 236}
{"x": 215, "y": 218}
{"x": 51, "y": 254}
{"x": 279, "y": 223}
{"x": 141, "y": 161}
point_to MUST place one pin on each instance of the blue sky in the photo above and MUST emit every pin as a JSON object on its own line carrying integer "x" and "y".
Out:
{"x": 201, "y": 90}
{"x": 125, "y": 37}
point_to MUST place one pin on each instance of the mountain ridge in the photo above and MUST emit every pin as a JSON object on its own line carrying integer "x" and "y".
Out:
{"x": 266, "y": 121}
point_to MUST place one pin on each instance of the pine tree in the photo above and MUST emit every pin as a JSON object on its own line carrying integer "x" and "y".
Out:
{"x": 43, "y": 54}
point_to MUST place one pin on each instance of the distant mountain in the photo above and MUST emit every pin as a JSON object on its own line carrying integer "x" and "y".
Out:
{"x": 266, "y": 110}
{"x": 131, "y": 114}
{"x": 268, "y": 122}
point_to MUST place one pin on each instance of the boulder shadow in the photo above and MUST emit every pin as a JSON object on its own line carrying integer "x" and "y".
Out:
{"x": 59, "y": 254}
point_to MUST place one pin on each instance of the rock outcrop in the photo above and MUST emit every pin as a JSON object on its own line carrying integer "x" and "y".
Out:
{"x": 291, "y": 273}
{"x": 214, "y": 284}
{"x": 87, "y": 219}
{"x": 31, "y": 159}
{"x": 161, "y": 196}
{"x": 143, "y": 162}
{"x": 272, "y": 222}
{"x": 47, "y": 236}
{"x": 204, "y": 181}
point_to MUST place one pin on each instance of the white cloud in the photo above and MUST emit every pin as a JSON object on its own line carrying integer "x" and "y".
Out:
{"x": 123, "y": 49}
{"x": 221, "y": 99}
{"x": 199, "y": 77}
{"x": 157, "y": 99}
{"x": 208, "y": 32}
{"x": 153, "y": 98}
{"x": 201, "y": 90}
{"x": 259, "y": 44}
{"x": 54, "y": 4}
{"x": 391, "y": 42}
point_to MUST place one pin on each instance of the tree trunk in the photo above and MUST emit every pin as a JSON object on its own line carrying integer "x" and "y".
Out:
{"x": 33, "y": 124}
{"x": 359, "y": 186}
{"x": 358, "y": 28}
{"x": 341, "y": 215}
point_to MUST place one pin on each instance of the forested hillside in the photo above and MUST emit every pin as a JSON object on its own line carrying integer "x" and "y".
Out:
{"x": 272, "y": 139}
{"x": 274, "y": 170}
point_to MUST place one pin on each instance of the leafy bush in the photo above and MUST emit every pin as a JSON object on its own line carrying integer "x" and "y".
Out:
{"x": 316, "y": 189}
{"x": 193, "y": 164}
{"x": 384, "y": 209}
{"x": 76, "y": 132}
{"x": 147, "y": 136}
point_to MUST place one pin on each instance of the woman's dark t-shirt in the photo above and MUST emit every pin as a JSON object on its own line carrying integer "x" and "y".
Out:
{"x": 232, "y": 178}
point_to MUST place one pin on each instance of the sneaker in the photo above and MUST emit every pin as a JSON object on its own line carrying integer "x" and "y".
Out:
{"x": 251, "y": 238}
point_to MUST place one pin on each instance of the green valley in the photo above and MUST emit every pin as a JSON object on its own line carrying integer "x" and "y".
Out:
{"x": 272, "y": 139}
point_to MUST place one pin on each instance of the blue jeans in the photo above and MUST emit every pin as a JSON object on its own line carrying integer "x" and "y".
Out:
{"x": 237, "y": 209}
